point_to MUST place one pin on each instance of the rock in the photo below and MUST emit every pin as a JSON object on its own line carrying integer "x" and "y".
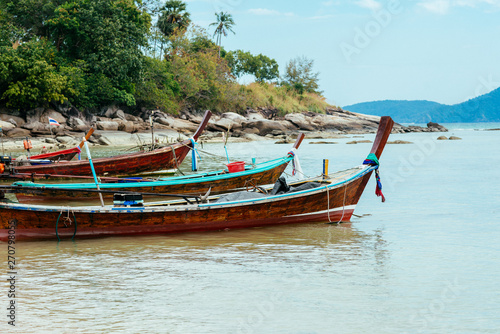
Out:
{"x": 18, "y": 133}
{"x": 399, "y": 142}
{"x": 230, "y": 120}
{"x": 17, "y": 121}
{"x": 252, "y": 131}
{"x": 265, "y": 126}
{"x": 435, "y": 127}
{"x": 359, "y": 141}
{"x": 129, "y": 117}
{"x": 107, "y": 125}
{"x": 285, "y": 140}
{"x": 65, "y": 139}
{"x": 454, "y": 138}
{"x": 114, "y": 112}
{"x": 51, "y": 141}
{"x": 6, "y": 126}
{"x": 301, "y": 121}
{"x": 44, "y": 118}
{"x": 164, "y": 121}
{"x": 442, "y": 138}
{"x": 127, "y": 126}
{"x": 77, "y": 124}
{"x": 104, "y": 141}
{"x": 324, "y": 142}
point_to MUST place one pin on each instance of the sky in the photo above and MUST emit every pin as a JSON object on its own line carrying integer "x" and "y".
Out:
{"x": 447, "y": 51}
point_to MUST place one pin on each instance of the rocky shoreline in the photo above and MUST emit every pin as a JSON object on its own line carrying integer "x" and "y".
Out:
{"x": 118, "y": 128}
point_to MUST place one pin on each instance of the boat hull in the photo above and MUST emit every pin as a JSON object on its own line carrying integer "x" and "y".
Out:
{"x": 314, "y": 206}
{"x": 129, "y": 164}
{"x": 218, "y": 185}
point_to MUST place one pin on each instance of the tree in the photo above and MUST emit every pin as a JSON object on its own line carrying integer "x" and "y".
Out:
{"x": 261, "y": 67}
{"x": 299, "y": 75}
{"x": 224, "y": 24}
{"x": 28, "y": 77}
{"x": 107, "y": 36}
{"x": 173, "y": 16}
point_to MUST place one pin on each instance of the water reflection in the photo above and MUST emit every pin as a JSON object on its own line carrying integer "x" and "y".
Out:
{"x": 197, "y": 279}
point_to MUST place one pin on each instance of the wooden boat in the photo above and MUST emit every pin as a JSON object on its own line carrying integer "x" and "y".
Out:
{"x": 253, "y": 175}
{"x": 128, "y": 164}
{"x": 67, "y": 154}
{"x": 328, "y": 199}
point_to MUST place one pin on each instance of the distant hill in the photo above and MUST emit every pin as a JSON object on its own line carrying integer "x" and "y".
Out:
{"x": 484, "y": 108}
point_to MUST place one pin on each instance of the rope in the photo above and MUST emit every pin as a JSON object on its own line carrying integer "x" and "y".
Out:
{"x": 66, "y": 219}
{"x": 343, "y": 205}
{"x": 296, "y": 164}
{"x": 175, "y": 159}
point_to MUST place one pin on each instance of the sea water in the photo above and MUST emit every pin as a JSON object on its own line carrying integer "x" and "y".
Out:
{"x": 425, "y": 261}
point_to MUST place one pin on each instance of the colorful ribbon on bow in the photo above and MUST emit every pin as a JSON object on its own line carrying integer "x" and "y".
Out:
{"x": 372, "y": 160}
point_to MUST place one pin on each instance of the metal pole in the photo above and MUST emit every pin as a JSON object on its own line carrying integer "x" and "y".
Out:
{"x": 152, "y": 131}
{"x": 93, "y": 170}
{"x": 1, "y": 132}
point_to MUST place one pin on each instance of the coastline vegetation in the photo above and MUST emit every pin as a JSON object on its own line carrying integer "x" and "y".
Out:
{"x": 141, "y": 55}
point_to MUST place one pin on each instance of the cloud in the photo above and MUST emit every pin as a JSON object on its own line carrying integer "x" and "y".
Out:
{"x": 444, "y": 6}
{"x": 370, "y": 4}
{"x": 268, "y": 12}
{"x": 436, "y": 6}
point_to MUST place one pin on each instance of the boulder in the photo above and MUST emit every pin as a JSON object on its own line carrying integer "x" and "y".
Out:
{"x": 399, "y": 142}
{"x": 442, "y": 138}
{"x": 454, "y": 138}
{"x": 77, "y": 124}
{"x": 127, "y": 126}
{"x": 359, "y": 142}
{"x": 18, "y": 133}
{"x": 435, "y": 127}
{"x": 44, "y": 118}
{"x": 107, "y": 125}
{"x": 17, "y": 121}
{"x": 300, "y": 120}
{"x": 230, "y": 120}
{"x": 114, "y": 112}
{"x": 65, "y": 139}
{"x": 266, "y": 126}
{"x": 104, "y": 141}
{"x": 324, "y": 142}
{"x": 6, "y": 126}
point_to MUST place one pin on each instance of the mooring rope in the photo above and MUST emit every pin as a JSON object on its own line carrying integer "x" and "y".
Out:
{"x": 343, "y": 204}
{"x": 66, "y": 219}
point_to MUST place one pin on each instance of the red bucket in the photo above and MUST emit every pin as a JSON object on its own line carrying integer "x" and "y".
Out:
{"x": 237, "y": 166}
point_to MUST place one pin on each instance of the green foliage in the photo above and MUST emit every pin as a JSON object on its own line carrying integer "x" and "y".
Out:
{"x": 204, "y": 79}
{"x": 158, "y": 89}
{"x": 224, "y": 23}
{"x": 260, "y": 66}
{"x": 173, "y": 17}
{"x": 299, "y": 76}
{"x": 93, "y": 53}
{"x": 28, "y": 77}
{"x": 106, "y": 34}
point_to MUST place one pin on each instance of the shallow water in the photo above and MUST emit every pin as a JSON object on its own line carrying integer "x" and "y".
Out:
{"x": 425, "y": 261}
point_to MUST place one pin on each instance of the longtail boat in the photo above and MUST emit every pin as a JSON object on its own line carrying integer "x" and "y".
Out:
{"x": 67, "y": 154}
{"x": 219, "y": 181}
{"x": 128, "y": 164}
{"x": 329, "y": 198}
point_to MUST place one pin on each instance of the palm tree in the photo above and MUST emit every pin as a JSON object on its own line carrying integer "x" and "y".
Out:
{"x": 224, "y": 24}
{"x": 173, "y": 16}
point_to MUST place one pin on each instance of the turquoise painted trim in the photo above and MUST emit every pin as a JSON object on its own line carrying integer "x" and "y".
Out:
{"x": 333, "y": 185}
{"x": 188, "y": 179}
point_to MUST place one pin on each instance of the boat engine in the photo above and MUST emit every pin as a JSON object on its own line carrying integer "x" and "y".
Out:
{"x": 124, "y": 200}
